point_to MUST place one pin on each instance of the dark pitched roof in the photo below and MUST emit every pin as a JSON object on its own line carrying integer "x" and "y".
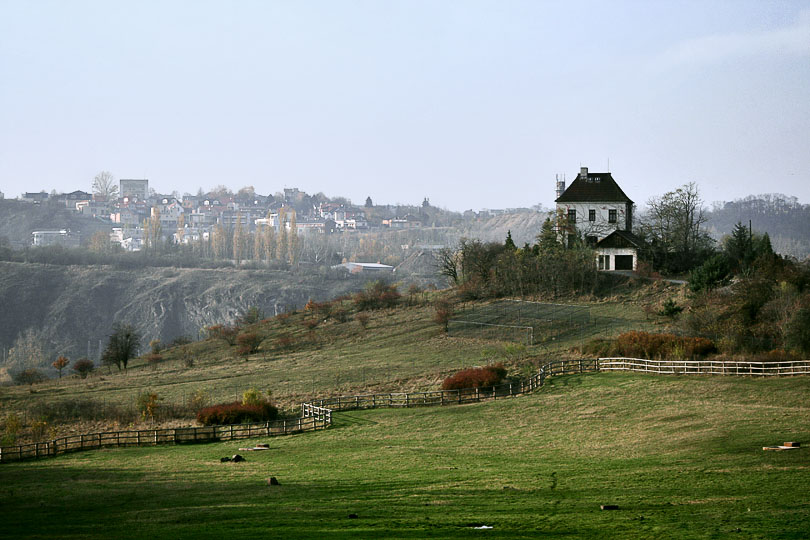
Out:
{"x": 596, "y": 187}
{"x": 620, "y": 239}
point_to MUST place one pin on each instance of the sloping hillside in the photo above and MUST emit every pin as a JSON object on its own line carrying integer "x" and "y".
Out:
{"x": 525, "y": 226}
{"x": 72, "y": 309}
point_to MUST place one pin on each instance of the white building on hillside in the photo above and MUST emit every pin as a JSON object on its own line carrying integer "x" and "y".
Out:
{"x": 595, "y": 209}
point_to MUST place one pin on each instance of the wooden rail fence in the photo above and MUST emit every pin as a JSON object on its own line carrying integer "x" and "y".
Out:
{"x": 154, "y": 437}
{"x": 706, "y": 367}
{"x": 318, "y": 414}
{"x": 455, "y": 397}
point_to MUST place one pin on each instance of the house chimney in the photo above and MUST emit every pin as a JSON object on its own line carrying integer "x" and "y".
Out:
{"x": 583, "y": 172}
{"x": 560, "y": 186}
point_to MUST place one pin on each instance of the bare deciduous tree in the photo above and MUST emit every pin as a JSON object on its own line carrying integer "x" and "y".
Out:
{"x": 104, "y": 185}
{"x": 27, "y": 351}
{"x": 674, "y": 224}
{"x": 447, "y": 264}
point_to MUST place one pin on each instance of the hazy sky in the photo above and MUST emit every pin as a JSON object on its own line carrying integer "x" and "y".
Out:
{"x": 472, "y": 104}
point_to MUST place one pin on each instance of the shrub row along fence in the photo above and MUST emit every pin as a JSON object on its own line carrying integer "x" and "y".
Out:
{"x": 706, "y": 367}
{"x": 318, "y": 414}
{"x": 153, "y": 437}
{"x": 455, "y": 397}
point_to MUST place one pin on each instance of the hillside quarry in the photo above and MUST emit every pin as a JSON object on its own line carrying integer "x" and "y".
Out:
{"x": 71, "y": 309}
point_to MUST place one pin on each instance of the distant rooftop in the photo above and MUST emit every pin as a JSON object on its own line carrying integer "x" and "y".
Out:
{"x": 593, "y": 187}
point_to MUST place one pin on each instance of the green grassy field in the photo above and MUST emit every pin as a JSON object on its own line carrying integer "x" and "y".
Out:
{"x": 681, "y": 457}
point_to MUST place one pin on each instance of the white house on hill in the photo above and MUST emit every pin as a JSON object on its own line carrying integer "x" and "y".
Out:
{"x": 596, "y": 209}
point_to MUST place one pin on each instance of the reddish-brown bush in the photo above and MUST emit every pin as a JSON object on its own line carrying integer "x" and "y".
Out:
{"x": 378, "y": 295}
{"x": 60, "y": 364}
{"x": 475, "y": 378}
{"x": 83, "y": 367}
{"x": 443, "y": 313}
{"x": 236, "y": 413}
{"x": 226, "y": 333}
{"x": 248, "y": 343}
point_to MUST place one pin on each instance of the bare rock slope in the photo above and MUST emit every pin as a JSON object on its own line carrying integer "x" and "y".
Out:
{"x": 73, "y": 308}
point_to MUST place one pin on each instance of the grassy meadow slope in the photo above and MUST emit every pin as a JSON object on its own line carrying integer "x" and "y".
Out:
{"x": 399, "y": 349}
{"x": 680, "y": 456}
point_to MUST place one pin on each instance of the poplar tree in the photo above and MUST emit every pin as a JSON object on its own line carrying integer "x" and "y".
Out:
{"x": 237, "y": 239}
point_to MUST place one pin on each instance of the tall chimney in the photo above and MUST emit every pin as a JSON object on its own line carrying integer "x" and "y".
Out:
{"x": 583, "y": 172}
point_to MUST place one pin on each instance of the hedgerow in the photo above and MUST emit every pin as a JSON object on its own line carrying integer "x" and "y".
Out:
{"x": 647, "y": 345}
{"x": 236, "y": 413}
{"x": 478, "y": 377}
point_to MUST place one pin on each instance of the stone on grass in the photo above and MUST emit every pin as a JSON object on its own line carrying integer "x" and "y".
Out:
{"x": 272, "y": 481}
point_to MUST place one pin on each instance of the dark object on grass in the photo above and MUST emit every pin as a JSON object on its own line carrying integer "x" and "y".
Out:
{"x": 793, "y": 444}
{"x": 262, "y": 445}
{"x": 237, "y": 458}
{"x": 224, "y": 459}
{"x": 352, "y": 516}
{"x": 272, "y": 481}
{"x": 609, "y": 507}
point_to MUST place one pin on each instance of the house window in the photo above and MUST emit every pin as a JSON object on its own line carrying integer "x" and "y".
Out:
{"x": 572, "y": 215}
{"x": 591, "y": 215}
{"x": 612, "y": 216}
{"x": 604, "y": 262}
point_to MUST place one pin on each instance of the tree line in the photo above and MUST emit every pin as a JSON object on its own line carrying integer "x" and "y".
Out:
{"x": 546, "y": 268}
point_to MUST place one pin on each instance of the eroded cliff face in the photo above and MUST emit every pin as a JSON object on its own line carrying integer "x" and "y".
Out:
{"x": 72, "y": 308}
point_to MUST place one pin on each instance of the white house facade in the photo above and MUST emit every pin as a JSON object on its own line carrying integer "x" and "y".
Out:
{"x": 596, "y": 210}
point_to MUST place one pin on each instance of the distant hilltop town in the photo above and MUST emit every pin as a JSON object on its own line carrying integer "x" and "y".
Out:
{"x": 137, "y": 213}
